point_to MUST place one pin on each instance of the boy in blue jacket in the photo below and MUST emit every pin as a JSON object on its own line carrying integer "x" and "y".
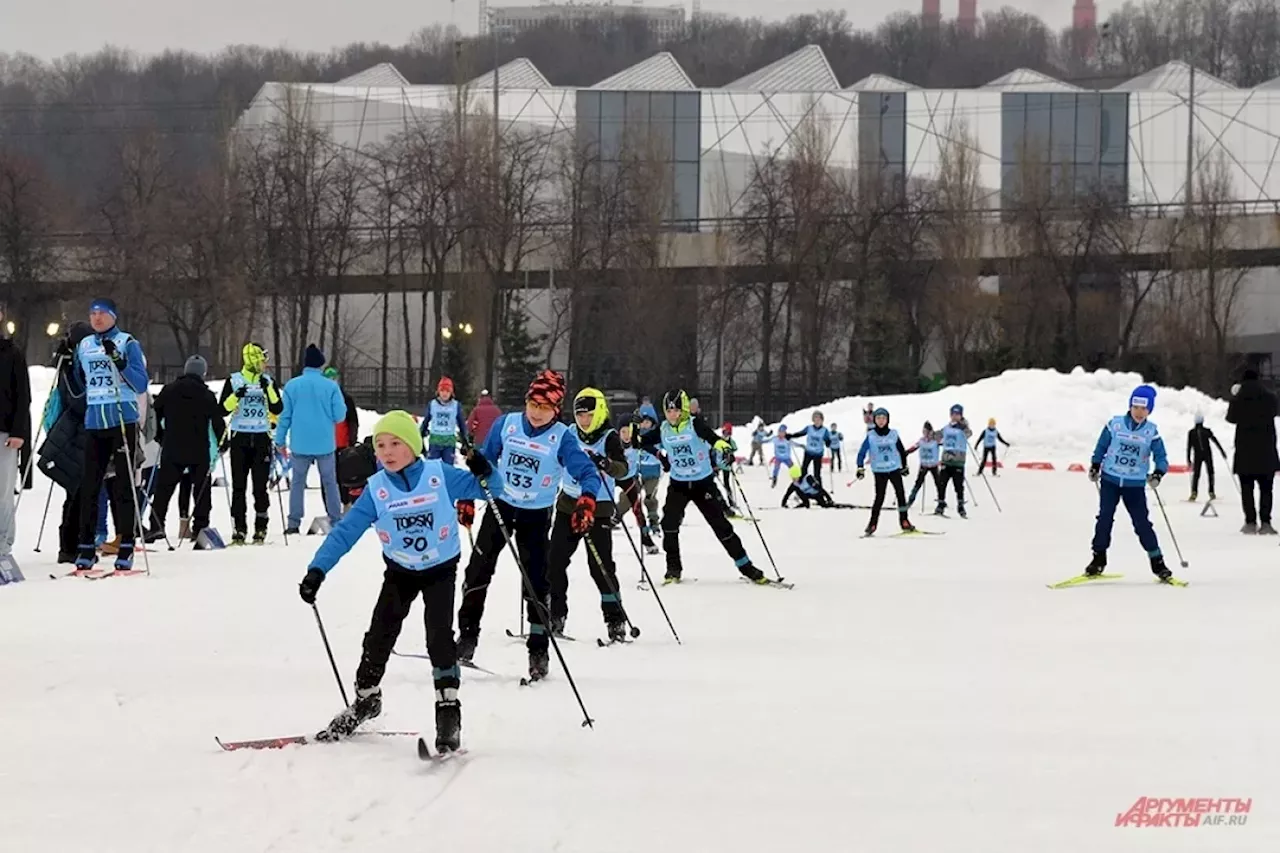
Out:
{"x": 1121, "y": 459}
{"x": 410, "y": 502}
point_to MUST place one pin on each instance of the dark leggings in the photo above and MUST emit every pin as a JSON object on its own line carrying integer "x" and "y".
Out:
{"x": 400, "y": 588}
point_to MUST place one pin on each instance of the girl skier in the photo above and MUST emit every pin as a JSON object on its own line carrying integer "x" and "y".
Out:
{"x": 988, "y": 439}
{"x": 836, "y": 443}
{"x": 928, "y": 445}
{"x": 443, "y": 424}
{"x": 781, "y": 454}
{"x": 955, "y": 454}
{"x": 643, "y": 473}
{"x": 1199, "y": 454}
{"x": 1121, "y": 459}
{"x": 888, "y": 465}
{"x": 816, "y": 438}
{"x": 410, "y": 502}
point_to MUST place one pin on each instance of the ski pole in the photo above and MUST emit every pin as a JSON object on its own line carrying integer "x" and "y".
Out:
{"x": 44, "y": 518}
{"x": 992, "y": 491}
{"x": 329, "y": 651}
{"x": 535, "y": 601}
{"x": 128, "y": 461}
{"x": 1176, "y": 547}
{"x": 645, "y": 574}
{"x": 151, "y": 509}
{"x": 759, "y": 532}
{"x": 284, "y": 524}
{"x": 613, "y": 583}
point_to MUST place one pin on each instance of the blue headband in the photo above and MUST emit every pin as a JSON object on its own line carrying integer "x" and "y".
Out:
{"x": 104, "y": 305}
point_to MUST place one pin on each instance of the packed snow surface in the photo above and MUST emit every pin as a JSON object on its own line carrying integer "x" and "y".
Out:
{"x": 925, "y": 694}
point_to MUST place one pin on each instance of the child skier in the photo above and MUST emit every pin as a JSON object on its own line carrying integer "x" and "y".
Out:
{"x": 252, "y": 397}
{"x": 888, "y": 465}
{"x": 927, "y": 444}
{"x": 955, "y": 452}
{"x": 781, "y": 454}
{"x": 758, "y": 436}
{"x": 443, "y": 424}
{"x": 1121, "y": 459}
{"x": 724, "y": 464}
{"x": 836, "y": 443}
{"x": 988, "y": 440}
{"x": 604, "y": 447}
{"x": 410, "y": 502}
{"x": 806, "y": 489}
{"x": 643, "y": 473}
{"x": 688, "y": 444}
{"x": 1198, "y": 453}
{"x": 816, "y": 438}
{"x": 530, "y": 450}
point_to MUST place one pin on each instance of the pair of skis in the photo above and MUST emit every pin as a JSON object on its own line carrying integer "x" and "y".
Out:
{"x": 425, "y": 752}
{"x": 98, "y": 574}
{"x": 1084, "y": 580}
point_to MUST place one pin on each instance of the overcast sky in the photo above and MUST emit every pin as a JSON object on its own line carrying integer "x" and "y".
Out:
{"x": 51, "y": 28}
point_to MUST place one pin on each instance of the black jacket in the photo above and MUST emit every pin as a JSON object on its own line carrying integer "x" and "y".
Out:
{"x": 185, "y": 410}
{"x": 61, "y": 454}
{"x": 1253, "y": 411}
{"x": 15, "y": 392}
{"x": 1198, "y": 440}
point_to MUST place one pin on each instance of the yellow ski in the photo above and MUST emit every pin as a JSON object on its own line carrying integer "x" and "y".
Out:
{"x": 1079, "y": 580}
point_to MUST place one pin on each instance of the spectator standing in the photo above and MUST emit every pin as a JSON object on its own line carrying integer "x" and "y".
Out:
{"x": 1253, "y": 410}
{"x": 313, "y": 407}
{"x": 61, "y": 455}
{"x": 345, "y": 435}
{"x": 15, "y": 431}
{"x": 482, "y": 417}
{"x": 190, "y": 422}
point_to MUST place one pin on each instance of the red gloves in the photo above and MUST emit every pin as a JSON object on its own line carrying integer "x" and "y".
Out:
{"x": 466, "y": 513}
{"x": 584, "y": 513}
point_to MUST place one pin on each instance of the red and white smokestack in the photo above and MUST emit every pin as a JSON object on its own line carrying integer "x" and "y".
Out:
{"x": 1084, "y": 25}
{"x": 967, "y": 20}
{"x": 931, "y": 13}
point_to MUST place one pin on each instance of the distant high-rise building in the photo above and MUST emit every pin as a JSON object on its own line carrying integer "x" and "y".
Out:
{"x": 1084, "y": 27}
{"x": 967, "y": 20}
{"x": 931, "y": 13}
{"x": 665, "y": 21}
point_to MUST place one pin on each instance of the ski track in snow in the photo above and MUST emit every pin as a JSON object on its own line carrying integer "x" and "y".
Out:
{"x": 908, "y": 695}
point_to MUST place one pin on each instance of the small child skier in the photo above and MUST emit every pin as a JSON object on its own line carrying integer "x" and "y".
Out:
{"x": 443, "y": 424}
{"x": 1199, "y": 453}
{"x": 955, "y": 454}
{"x": 781, "y": 455}
{"x": 410, "y": 502}
{"x": 1121, "y": 459}
{"x": 988, "y": 439}
{"x": 816, "y": 438}
{"x": 928, "y": 446}
{"x": 806, "y": 489}
{"x": 836, "y": 443}
{"x": 888, "y": 465}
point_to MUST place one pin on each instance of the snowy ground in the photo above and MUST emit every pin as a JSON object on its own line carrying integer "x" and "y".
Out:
{"x": 908, "y": 695}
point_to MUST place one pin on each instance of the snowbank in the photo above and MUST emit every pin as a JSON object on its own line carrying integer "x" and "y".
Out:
{"x": 1046, "y": 415}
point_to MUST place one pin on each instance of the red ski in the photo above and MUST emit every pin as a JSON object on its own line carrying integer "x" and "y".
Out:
{"x": 281, "y": 742}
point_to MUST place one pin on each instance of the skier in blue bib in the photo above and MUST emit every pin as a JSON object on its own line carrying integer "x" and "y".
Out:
{"x": 1121, "y": 461}
{"x": 888, "y": 465}
{"x": 816, "y": 439}
{"x": 955, "y": 455}
{"x": 929, "y": 446}
{"x": 410, "y": 503}
{"x": 781, "y": 454}
{"x": 443, "y": 424}
{"x": 988, "y": 438}
{"x": 837, "y": 448}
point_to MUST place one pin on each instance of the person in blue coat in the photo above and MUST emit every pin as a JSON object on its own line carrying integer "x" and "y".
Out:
{"x": 313, "y": 407}
{"x": 113, "y": 369}
{"x": 410, "y": 503}
{"x": 1121, "y": 460}
{"x": 888, "y": 465}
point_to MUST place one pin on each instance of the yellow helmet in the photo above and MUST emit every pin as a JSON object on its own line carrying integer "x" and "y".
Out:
{"x": 794, "y": 471}
{"x": 991, "y": 422}
{"x": 592, "y": 400}
{"x": 254, "y": 356}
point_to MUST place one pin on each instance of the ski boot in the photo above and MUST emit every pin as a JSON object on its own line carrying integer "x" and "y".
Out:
{"x": 1097, "y": 565}
{"x": 184, "y": 528}
{"x": 66, "y": 557}
{"x": 646, "y": 540}
{"x": 941, "y": 508}
{"x": 871, "y": 530}
{"x": 237, "y": 538}
{"x": 751, "y": 573}
{"x": 292, "y": 531}
{"x": 124, "y": 557}
{"x": 368, "y": 705}
{"x": 672, "y": 576}
{"x": 1193, "y": 496}
{"x": 1250, "y": 528}
{"x": 448, "y": 721}
{"x": 617, "y": 631}
{"x": 85, "y": 559}
{"x": 259, "y": 530}
{"x": 557, "y": 626}
{"x": 1265, "y": 529}
{"x": 1159, "y": 569}
{"x": 466, "y": 647}
{"x": 906, "y": 525}
{"x": 155, "y": 534}
{"x": 960, "y": 510}
{"x": 539, "y": 664}
{"x": 1212, "y": 496}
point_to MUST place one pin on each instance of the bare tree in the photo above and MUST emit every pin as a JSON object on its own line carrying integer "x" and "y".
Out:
{"x": 28, "y": 222}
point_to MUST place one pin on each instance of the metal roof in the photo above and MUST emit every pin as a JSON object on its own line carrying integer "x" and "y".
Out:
{"x": 1173, "y": 76}
{"x": 658, "y": 73}
{"x": 516, "y": 74}
{"x": 1027, "y": 80}
{"x": 806, "y": 70}
{"x": 1273, "y": 83}
{"x": 382, "y": 74}
{"x": 880, "y": 83}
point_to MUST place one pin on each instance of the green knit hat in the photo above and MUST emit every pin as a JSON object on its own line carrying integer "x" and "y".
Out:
{"x": 402, "y": 425}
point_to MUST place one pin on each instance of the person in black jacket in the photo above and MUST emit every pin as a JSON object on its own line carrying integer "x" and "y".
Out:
{"x": 1253, "y": 410}
{"x": 15, "y": 431}
{"x": 191, "y": 421}
{"x": 61, "y": 455}
{"x": 1199, "y": 453}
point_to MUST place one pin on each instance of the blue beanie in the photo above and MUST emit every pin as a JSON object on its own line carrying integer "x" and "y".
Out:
{"x": 313, "y": 357}
{"x": 105, "y": 305}
{"x": 957, "y": 409}
{"x": 1144, "y": 395}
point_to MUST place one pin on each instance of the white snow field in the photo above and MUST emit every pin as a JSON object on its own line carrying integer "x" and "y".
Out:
{"x": 922, "y": 694}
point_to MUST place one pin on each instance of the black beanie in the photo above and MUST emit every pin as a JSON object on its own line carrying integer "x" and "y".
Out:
{"x": 313, "y": 357}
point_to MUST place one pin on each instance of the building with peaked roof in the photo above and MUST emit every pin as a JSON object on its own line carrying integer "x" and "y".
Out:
{"x": 1024, "y": 79}
{"x": 382, "y": 74}
{"x": 517, "y": 74}
{"x": 880, "y": 83}
{"x": 660, "y": 72}
{"x": 806, "y": 70}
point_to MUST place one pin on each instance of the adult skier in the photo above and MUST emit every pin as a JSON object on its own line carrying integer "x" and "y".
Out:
{"x": 836, "y": 444}
{"x": 1121, "y": 461}
{"x": 443, "y": 424}
{"x": 928, "y": 445}
{"x": 410, "y": 502}
{"x": 531, "y": 450}
{"x": 604, "y": 447}
{"x": 251, "y": 396}
{"x": 688, "y": 443}
{"x": 114, "y": 371}
{"x": 955, "y": 453}
{"x": 781, "y": 454}
{"x": 888, "y": 466}
{"x": 816, "y": 438}
{"x": 1253, "y": 410}
{"x": 988, "y": 438}
{"x": 1199, "y": 454}
{"x": 188, "y": 415}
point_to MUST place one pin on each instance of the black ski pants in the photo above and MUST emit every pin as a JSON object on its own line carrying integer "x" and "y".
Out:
{"x": 924, "y": 472}
{"x": 815, "y": 461}
{"x": 529, "y": 528}
{"x": 1207, "y": 461}
{"x": 951, "y": 474}
{"x": 400, "y": 588}
{"x": 564, "y": 544}
{"x": 105, "y": 447}
{"x": 1263, "y": 511}
{"x": 250, "y": 456}
{"x": 882, "y": 485}
{"x": 837, "y": 459}
{"x": 706, "y": 497}
{"x": 168, "y": 478}
{"x": 69, "y": 528}
{"x": 989, "y": 453}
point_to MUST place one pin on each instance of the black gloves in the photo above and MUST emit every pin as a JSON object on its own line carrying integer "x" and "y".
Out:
{"x": 264, "y": 384}
{"x": 1155, "y": 478}
{"x": 906, "y": 471}
{"x": 109, "y": 347}
{"x": 601, "y": 462}
{"x": 478, "y": 465}
{"x": 1095, "y": 470}
{"x": 664, "y": 462}
{"x": 310, "y": 585}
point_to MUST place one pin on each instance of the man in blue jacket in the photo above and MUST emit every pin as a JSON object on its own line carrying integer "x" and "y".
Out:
{"x": 114, "y": 371}
{"x": 313, "y": 406}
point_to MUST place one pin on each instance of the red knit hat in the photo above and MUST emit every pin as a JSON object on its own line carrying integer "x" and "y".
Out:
{"x": 445, "y": 384}
{"x": 546, "y": 389}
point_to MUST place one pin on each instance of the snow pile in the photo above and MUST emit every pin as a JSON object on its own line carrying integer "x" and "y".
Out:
{"x": 1046, "y": 415}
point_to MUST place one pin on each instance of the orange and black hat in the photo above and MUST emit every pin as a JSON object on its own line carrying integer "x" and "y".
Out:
{"x": 547, "y": 389}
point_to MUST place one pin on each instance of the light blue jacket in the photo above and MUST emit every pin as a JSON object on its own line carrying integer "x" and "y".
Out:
{"x": 313, "y": 406}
